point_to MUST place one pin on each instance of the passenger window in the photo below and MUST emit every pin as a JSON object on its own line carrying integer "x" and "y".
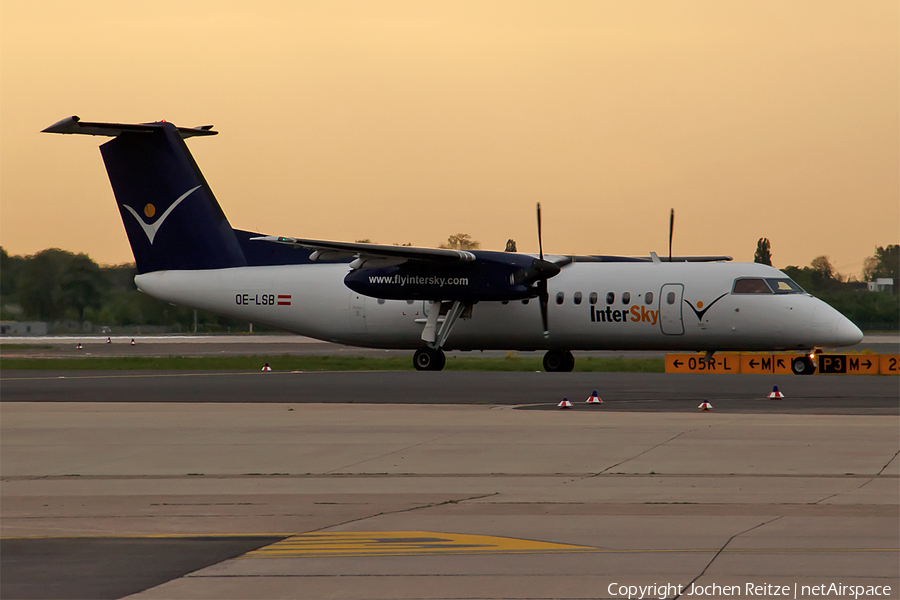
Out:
{"x": 577, "y": 298}
{"x": 610, "y": 297}
{"x": 670, "y": 298}
{"x": 648, "y": 298}
{"x": 626, "y": 297}
{"x": 593, "y": 298}
{"x": 750, "y": 286}
{"x": 560, "y": 297}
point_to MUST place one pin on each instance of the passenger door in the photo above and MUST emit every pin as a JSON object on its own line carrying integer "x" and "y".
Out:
{"x": 670, "y": 300}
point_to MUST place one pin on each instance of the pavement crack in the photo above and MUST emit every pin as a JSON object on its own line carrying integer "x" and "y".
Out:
{"x": 403, "y": 510}
{"x": 893, "y": 458}
{"x": 828, "y": 497}
{"x": 861, "y": 486}
{"x": 722, "y": 549}
{"x": 604, "y": 471}
{"x": 371, "y": 458}
{"x": 651, "y": 448}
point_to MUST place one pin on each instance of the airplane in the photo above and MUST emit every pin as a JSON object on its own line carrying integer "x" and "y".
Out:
{"x": 431, "y": 299}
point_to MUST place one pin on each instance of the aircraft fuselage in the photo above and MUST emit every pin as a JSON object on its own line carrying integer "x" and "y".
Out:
{"x": 593, "y": 306}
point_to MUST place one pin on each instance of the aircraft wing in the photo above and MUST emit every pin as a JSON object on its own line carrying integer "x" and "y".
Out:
{"x": 697, "y": 258}
{"x": 327, "y": 250}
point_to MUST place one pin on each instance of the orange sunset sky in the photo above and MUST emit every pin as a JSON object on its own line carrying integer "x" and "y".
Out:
{"x": 409, "y": 121}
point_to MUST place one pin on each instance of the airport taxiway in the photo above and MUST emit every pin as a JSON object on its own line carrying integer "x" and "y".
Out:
{"x": 643, "y": 498}
{"x": 817, "y": 394}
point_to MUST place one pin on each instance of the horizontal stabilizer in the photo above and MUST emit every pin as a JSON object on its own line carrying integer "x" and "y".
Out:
{"x": 74, "y": 125}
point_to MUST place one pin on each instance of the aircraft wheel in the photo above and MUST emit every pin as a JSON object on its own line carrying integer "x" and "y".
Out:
{"x": 560, "y": 361}
{"x": 428, "y": 359}
{"x": 802, "y": 366}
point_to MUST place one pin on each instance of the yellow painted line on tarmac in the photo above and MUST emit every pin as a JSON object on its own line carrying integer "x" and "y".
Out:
{"x": 143, "y": 536}
{"x": 397, "y": 543}
{"x": 426, "y": 543}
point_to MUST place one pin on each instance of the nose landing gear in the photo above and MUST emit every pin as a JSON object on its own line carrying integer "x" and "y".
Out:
{"x": 803, "y": 365}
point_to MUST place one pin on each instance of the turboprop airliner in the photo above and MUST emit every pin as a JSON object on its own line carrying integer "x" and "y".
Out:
{"x": 430, "y": 299}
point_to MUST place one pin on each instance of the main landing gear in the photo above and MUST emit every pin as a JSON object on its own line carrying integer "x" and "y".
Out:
{"x": 429, "y": 359}
{"x": 560, "y": 361}
{"x": 442, "y": 316}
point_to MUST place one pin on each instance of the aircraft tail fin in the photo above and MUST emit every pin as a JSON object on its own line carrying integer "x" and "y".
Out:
{"x": 172, "y": 219}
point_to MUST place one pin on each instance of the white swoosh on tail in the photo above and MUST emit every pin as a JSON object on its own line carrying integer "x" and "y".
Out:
{"x": 151, "y": 229}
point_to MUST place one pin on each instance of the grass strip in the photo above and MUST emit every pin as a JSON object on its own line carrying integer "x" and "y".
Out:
{"x": 319, "y": 363}
{"x": 25, "y": 346}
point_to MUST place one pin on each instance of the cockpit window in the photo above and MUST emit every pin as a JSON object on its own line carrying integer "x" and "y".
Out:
{"x": 784, "y": 286}
{"x": 750, "y": 286}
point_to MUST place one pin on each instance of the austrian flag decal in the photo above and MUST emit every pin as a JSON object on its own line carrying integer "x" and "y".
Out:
{"x": 284, "y": 299}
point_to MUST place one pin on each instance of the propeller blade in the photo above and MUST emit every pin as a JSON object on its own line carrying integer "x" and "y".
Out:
{"x": 544, "y": 298}
{"x": 671, "y": 231}
{"x": 543, "y": 270}
{"x": 540, "y": 243}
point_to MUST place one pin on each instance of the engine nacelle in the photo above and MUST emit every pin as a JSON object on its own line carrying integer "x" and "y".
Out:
{"x": 491, "y": 277}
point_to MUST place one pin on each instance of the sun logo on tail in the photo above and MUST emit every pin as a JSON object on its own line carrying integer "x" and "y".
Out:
{"x": 150, "y": 229}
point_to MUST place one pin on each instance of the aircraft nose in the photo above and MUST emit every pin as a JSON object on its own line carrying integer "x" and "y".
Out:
{"x": 847, "y": 333}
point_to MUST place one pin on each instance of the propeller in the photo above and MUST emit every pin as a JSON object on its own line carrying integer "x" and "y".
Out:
{"x": 543, "y": 293}
{"x": 671, "y": 231}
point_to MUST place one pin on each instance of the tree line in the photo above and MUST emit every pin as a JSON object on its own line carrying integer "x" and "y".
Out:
{"x": 55, "y": 285}
{"x": 869, "y": 310}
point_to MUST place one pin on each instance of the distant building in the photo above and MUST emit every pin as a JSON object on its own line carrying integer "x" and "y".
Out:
{"x": 881, "y": 285}
{"x": 23, "y": 328}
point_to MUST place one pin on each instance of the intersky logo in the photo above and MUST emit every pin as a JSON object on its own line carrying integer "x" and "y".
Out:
{"x": 700, "y": 313}
{"x": 150, "y": 229}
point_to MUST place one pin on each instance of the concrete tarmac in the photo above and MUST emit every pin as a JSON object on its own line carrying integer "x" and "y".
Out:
{"x": 453, "y": 501}
{"x": 444, "y": 485}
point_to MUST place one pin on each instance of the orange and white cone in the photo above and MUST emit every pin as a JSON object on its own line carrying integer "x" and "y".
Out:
{"x": 776, "y": 395}
{"x": 109, "y": 340}
{"x": 565, "y": 403}
{"x": 266, "y": 367}
{"x": 705, "y": 406}
{"x": 132, "y": 342}
{"x": 79, "y": 346}
{"x": 594, "y": 399}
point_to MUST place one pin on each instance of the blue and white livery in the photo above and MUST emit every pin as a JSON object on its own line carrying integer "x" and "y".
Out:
{"x": 427, "y": 299}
